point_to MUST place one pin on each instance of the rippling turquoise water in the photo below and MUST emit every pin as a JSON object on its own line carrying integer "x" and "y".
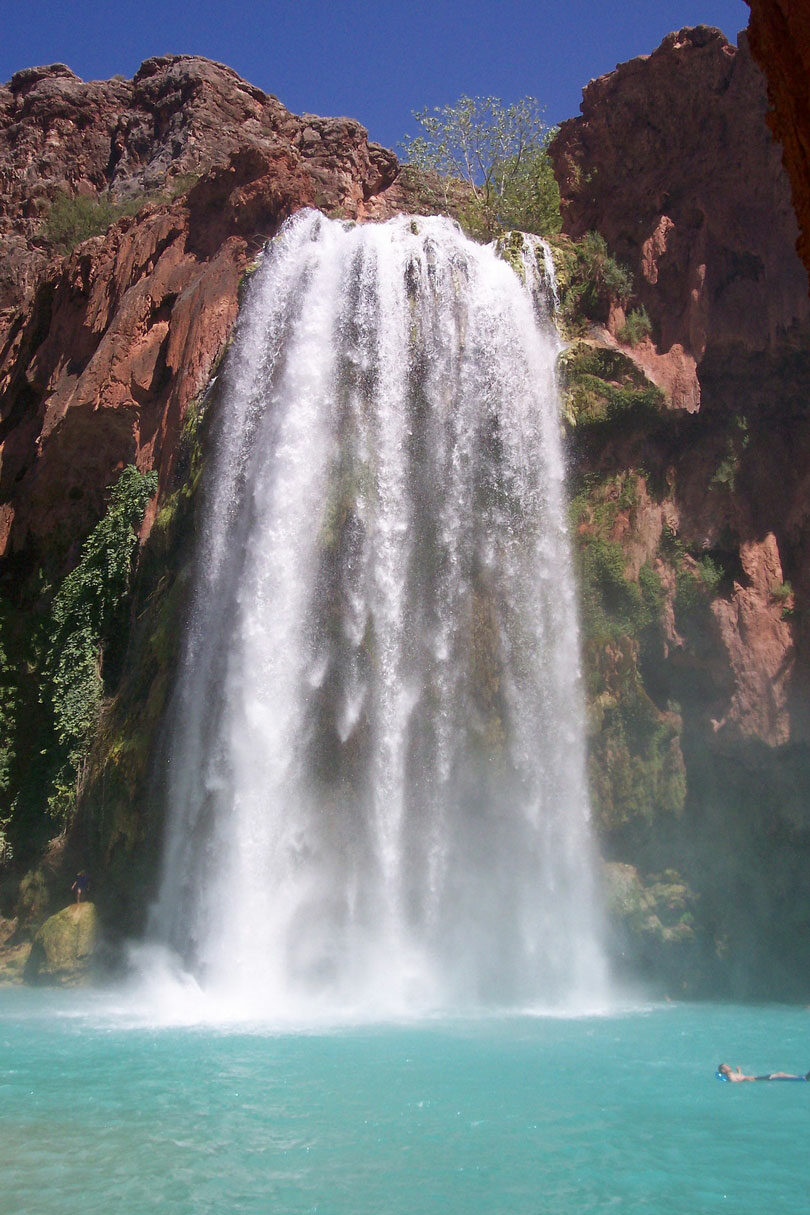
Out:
{"x": 102, "y": 1113}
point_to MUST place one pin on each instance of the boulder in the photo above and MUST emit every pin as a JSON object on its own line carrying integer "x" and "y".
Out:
{"x": 62, "y": 951}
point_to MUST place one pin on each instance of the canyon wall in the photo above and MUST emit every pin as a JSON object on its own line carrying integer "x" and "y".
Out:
{"x": 688, "y": 450}
{"x": 129, "y": 212}
{"x": 673, "y": 164}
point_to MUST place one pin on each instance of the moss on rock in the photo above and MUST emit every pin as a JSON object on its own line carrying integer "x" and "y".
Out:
{"x": 509, "y": 248}
{"x": 603, "y": 385}
{"x": 636, "y": 764}
{"x": 34, "y": 897}
{"x": 63, "y": 950}
{"x": 13, "y": 960}
{"x": 658, "y": 909}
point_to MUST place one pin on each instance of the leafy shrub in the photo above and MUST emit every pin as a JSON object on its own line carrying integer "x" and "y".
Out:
{"x": 652, "y": 590}
{"x": 84, "y": 613}
{"x": 612, "y": 603}
{"x": 636, "y": 327}
{"x": 696, "y": 586}
{"x": 711, "y": 574}
{"x": 591, "y": 279}
{"x": 725, "y": 475}
{"x": 74, "y": 218}
{"x": 531, "y": 200}
{"x": 603, "y": 385}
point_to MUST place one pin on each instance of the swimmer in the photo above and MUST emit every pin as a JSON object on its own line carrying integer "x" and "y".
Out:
{"x": 724, "y": 1072}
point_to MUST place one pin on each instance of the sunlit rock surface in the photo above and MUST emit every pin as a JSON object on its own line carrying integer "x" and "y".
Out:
{"x": 673, "y": 163}
{"x": 100, "y": 352}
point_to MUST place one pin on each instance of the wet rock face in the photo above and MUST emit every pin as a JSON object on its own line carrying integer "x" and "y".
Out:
{"x": 101, "y": 351}
{"x": 779, "y": 33}
{"x": 673, "y": 163}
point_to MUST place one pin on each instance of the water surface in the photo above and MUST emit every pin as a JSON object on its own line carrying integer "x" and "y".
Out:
{"x": 521, "y": 1115}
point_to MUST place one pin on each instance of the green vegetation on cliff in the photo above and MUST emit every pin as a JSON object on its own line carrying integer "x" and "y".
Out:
{"x": 74, "y": 218}
{"x": 602, "y": 385}
{"x": 84, "y": 614}
{"x": 590, "y": 281}
{"x": 636, "y": 326}
{"x": 63, "y": 948}
{"x": 635, "y": 761}
{"x": 118, "y": 819}
{"x": 500, "y": 153}
{"x": 86, "y": 607}
{"x": 53, "y": 642}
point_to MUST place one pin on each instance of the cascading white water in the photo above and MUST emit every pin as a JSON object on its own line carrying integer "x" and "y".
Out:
{"x": 376, "y": 794}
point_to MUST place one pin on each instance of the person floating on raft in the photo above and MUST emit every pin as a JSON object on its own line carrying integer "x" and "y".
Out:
{"x": 724, "y": 1072}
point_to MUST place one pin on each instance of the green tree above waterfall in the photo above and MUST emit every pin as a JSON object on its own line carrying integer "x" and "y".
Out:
{"x": 500, "y": 152}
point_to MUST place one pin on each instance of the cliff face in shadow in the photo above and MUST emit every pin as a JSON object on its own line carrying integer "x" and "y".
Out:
{"x": 779, "y": 33}
{"x": 700, "y": 515}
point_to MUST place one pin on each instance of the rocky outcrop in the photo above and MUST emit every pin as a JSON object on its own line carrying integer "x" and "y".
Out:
{"x": 671, "y": 161}
{"x": 179, "y": 116}
{"x": 101, "y": 351}
{"x": 779, "y": 34}
{"x": 63, "y": 950}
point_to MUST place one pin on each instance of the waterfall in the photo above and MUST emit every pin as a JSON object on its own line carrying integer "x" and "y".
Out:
{"x": 376, "y": 790}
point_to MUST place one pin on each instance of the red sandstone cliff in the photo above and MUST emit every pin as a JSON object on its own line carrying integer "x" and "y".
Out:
{"x": 673, "y": 163}
{"x": 101, "y": 351}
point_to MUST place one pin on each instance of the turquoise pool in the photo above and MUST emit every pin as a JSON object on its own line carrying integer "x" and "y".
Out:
{"x": 102, "y": 1111}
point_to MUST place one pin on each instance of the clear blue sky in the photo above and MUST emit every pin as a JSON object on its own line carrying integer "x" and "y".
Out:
{"x": 374, "y": 61}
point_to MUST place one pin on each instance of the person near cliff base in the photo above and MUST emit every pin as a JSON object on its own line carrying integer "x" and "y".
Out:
{"x": 80, "y": 885}
{"x": 724, "y": 1072}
